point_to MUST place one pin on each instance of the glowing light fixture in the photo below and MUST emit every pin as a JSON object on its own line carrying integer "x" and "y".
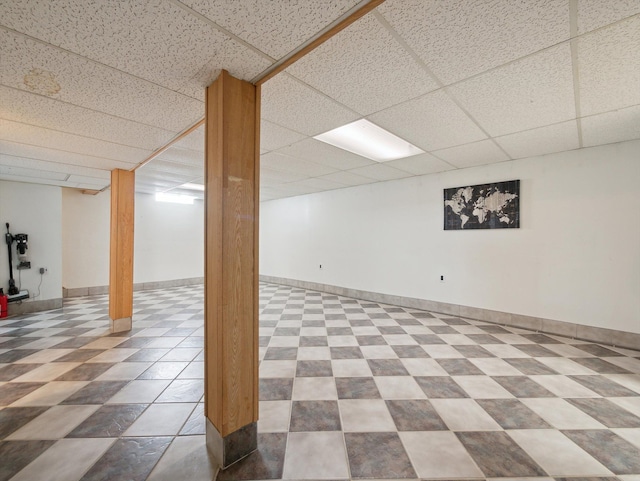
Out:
{"x": 191, "y": 186}
{"x": 174, "y": 198}
{"x": 368, "y": 140}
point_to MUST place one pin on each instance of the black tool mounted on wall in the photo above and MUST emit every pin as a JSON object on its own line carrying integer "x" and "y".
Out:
{"x": 15, "y": 294}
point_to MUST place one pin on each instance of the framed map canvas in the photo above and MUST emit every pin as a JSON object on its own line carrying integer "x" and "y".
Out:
{"x": 484, "y": 206}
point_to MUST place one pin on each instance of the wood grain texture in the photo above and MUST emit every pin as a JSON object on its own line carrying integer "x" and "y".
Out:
{"x": 121, "y": 244}
{"x": 231, "y": 261}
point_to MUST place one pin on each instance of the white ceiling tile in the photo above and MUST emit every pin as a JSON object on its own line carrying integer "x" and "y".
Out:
{"x": 420, "y": 164}
{"x": 609, "y": 67}
{"x": 134, "y": 37}
{"x": 67, "y": 160}
{"x": 87, "y": 84}
{"x": 158, "y": 166}
{"x": 593, "y": 14}
{"x": 610, "y": 127}
{"x": 431, "y": 122}
{"x": 291, "y": 104}
{"x": 380, "y": 172}
{"x": 347, "y": 178}
{"x": 29, "y": 108}
{"x": 181, "y": 156}
{"x": 293, "y": 188}
{"x": 276, "y": 161}
{"x": 10, "y": 160}
{"x": 319, "y": 184}
{"x": 477, "y": 153}
{"x": 364, "y": 54}
{"x": 35, "y": 180}
{"x": 274, "y": 177}
{"x": 25, "y": 172}
{"x": 275, "y": 27}
{"x": 531, "y": 92}
{"x": 458, "y": 39}
{"x": 31, "y": 135}
{"x": 541, "y": 141}
{"x": 193, "y": 141}
{"x": 273, "y": 137}
{"x": 83, "y": 180}
{"x": 322, "y": 153}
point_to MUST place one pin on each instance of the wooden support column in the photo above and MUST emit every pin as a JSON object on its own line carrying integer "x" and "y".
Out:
{"x": 232, "y": 123}
{"x": 121, "y": 256}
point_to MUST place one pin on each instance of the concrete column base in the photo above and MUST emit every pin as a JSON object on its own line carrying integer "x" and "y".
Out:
{"x": 227, "y": 450}
{"x": 120, "y": 325}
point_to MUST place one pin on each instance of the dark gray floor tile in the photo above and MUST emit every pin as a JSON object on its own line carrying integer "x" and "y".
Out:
{"x": 408, "y": 322}
{"x": 313, "y": 341}
{"x": 522, "y": 386}
{"x": 15, "y": 455}
{"x": 604, "y": 386}
{"x": 541, "y": 338}
{"x": 266, "y": 463}
{"x": 608, "y": 478}
{"x": 357, "y": 388}
{"x": 454, "y": 321}
{"x": 409, "y": 351}
{"x": 164, "y": 370}
{"x": 108, "y": 421}
{"x": 530, "y": 367}
{"x": 421, "y": 315}
{"x": 182, "y": 391}
{"x": 347, "y": 352}
{"x": 76, "y": 342}
{"x": 440, "y": 387}
{"x": 281, "y": 353}
{"x": 606, "y": 412}
{"x": 600, "y": 366}
{"x": 97, "y": 392}
{"x": 310, "y": 323}
{"x": 315, "y": 416}
{"x": 85, "y": 372}
{"x": 12, "y": 391}
{"x": 415, "y": 415}
{"x": 484, "y": 338}
{"x": 498, "y": 456}
{"x": 377, "y": 455}
{"x": 80, "y": 355}
{"x": 360, "y": 322}
{"x": 16, "y": 341}
{"x": 424, "y": 339}
{"x": 460, "y": 367}
{"x": 387, "y": 367}
{"x": 512, "y": 414}
{"x": 335, "y": 317}
{"x": 276, "y": 389}
{"x": 147, "y": 355}
{"x": 493, "y": 329}
{"x": 534, "y": 350}
{"x": 314, "y": 369}
{"x": 15, "y": 355}
{"x": 391, "y": 330}
{"x": 12, "y": 419}
{"x": 141, "y": 454}
{"x": 443, "y": 330}
{"x": 597, "y": 350}
{"x": 617, "y": 454}
{"x": 371, "y": 340}
{"x": 473, "y": 351}
{"x": 12, "y": 371}
{"x": 263, "y": 341}
{"x": 286, "y": 331}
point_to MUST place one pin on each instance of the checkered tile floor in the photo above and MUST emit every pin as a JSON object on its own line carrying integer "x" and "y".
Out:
{"x": 348, "y": 389}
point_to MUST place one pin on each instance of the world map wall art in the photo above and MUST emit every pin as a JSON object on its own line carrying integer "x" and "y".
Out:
{"x": 484, "y": 206}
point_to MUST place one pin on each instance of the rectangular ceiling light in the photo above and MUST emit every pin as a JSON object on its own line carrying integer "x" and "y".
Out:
{"x": 368, "y": 140}
{"x": 174, "y": 198}
{"x": 191, "y": 186}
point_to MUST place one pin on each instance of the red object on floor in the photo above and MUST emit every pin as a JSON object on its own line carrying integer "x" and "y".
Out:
{"x": 3, "y": 305}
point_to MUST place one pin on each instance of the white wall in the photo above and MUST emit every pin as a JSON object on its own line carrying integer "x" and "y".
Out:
{"x": 34, "y": 210}
{"x": 575, "y": 258}
{"x": 168, "y": 239}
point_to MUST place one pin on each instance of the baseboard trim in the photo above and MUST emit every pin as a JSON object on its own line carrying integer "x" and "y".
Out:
{"x": 600, "y": 335}
{"x": 27, "y": 307}
{"x": 141, "y": 286}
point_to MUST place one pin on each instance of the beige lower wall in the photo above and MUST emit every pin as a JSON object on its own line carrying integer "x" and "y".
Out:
{"x": 141, "y": 286}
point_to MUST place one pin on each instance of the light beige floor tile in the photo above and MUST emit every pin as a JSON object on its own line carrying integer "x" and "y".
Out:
{"x": 482, "y": 387}
{"x": 66, "y": 460}
{"x": 464, "y": 415}
{"x": 400, "y": 340}
{"x": 630, "y": 434}
{"x": 557, "y": 454}
{"x": 269, "y": 369}
{"x": 46, "y": 355}
{"x": 161, "y": 420}
{"x": 124, "y": 371}
{"x": 152, "y": 331}
{"x": 186, "y": 458}
{"x": 284, "y": 341}
{"x": 492, "y": 366}
{"x": 631, "y": 404}
{"x": 399, "y": 387}
{"x": 628, "y": 363}
{"x": 274, "y": 416}
{"x": 104, "y": 343}
{"x": 113, "y": 355}
{"x": 319, "y": 353}
{"x": 561, "y": 414}
{"x": 378, "y": 352}
{"x": 318, "y": 455}
{"x": 314, "y": 389}
{"x": 441, "y": 351}
{"x": 47, "y": 372}
{"x": 564, "y": 366}
{"x": 313, "y": 331}
{"x": 504, "y": 351}
{"x": 630, "y": 381}
{"x": 342, "y": 341}
{"x": 456, "y": 339}
{"x": 163, "y": 342}
{"x": 365, "y": 415}
{"x": 54, "y": 423}
{"x": 50, "y": 394}
{"x": 422, "y": 366}
{"x": 566, "y": 350}
{"x": 564, "y": 387}
{"x": 351, "y": 368}
{"x": 195, "y": 370}
{"x": 141, "y": 391}
{"x": 439, "y": 455}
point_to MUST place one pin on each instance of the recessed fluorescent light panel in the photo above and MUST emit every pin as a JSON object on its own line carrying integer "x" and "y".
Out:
{"x": 174, "y": 198}
{"x": 191, "y": 186}
{"x": 368, "y": 140}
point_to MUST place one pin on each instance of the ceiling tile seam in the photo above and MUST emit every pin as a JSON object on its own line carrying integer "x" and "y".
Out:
{"x": 305, "y": 160}
{"x": 86, "y": 108}
{"x": 73, "y": 133}
{"x": 573, "y": 27}
{"x": 56, "y": 163}
{"x": 437, "y": 80}
{"x": 609, "y": 111}
{"x": 612, "y": 24}
{"x": 88, "y": 59}
{"x": 221, "y": 29}
{"x": 67, "y": 152}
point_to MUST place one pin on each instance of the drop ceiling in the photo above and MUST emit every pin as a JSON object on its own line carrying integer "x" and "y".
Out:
{"x": 87, "y": 86}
